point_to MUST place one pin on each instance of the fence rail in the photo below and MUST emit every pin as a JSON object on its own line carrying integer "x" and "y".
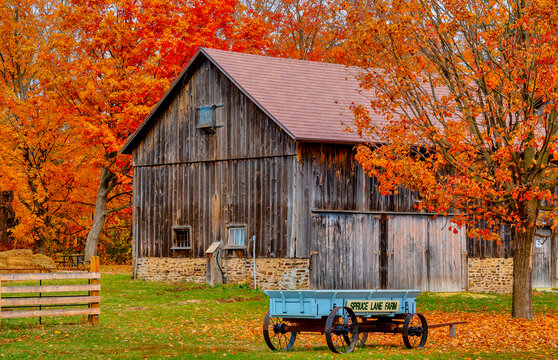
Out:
{"x": 33, "y": 303}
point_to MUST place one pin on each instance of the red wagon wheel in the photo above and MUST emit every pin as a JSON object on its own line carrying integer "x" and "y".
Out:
{"x": 415, "y": 331}
{"x": 341, "y": 331}
{"x": 275, "y": 335}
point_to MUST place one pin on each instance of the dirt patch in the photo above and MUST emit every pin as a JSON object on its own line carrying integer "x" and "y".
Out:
{"x": 25, "y": 261}
{"x": 116, "y": 269}
{"x": 239, "y": 299}
{"x": 191, "y": 301}
{"x": 468, "y": 295}
{"x": 136, "y": 308}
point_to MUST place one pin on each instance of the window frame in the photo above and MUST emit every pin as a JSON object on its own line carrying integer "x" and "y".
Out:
{"x": 233, "y": 246}
{"x": 175, "y": 237}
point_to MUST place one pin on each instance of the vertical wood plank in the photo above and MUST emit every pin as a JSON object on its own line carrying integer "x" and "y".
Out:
{"x": 95, "y": 267}
{"x": 542, "y": 275}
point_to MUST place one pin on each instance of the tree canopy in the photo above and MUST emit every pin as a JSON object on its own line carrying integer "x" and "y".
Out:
{"x": 468, "y": 91}
{"x": 77, "y": 77}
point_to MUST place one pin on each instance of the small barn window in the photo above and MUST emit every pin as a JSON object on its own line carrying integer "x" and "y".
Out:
{"x": 237, "y": 237}
{"x": 182, "y": 237}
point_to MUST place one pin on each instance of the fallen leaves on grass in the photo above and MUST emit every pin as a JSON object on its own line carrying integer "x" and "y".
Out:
{"x": 492, "y": 332}
{"x": 116, "y": 269}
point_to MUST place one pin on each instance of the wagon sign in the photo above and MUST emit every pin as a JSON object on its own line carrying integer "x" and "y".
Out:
{"x": 373, "y": 305}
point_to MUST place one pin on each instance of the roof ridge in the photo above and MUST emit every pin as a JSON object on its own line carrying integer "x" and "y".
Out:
{"x": 276, "y": 58}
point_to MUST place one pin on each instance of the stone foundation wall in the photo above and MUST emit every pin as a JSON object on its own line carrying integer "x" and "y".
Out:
{"x": 485, "y": 275}
{"x": 280, "y": 274}
{"x": 490, "y": 275}
{"x": 171, "y": 269}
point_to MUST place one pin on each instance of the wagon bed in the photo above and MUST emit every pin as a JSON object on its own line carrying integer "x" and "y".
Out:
{"x": 314, "y": 304}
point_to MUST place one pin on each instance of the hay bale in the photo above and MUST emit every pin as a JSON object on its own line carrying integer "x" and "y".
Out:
{"x": 25, "y": 260}
{"x": 42, "y": 262}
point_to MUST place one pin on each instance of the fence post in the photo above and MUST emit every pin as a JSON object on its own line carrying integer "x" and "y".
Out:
{"x": 95, "y": 267}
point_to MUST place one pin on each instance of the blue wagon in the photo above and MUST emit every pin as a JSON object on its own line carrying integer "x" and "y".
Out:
{"x": 344, "y": 316}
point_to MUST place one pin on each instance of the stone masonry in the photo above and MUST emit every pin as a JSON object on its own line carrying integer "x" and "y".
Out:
{"x": 171, "y": 269}
{"x": 280, "y": 274}
{"x": 485, "y": 275}
{"x": 490, "y": 275}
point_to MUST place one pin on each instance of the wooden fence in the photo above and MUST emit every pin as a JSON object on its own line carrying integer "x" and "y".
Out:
{"x": 24, "y": 301}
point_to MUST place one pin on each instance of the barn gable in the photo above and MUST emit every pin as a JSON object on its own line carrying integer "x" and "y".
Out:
{"x": 309, "y": 100}
{"x": 187, "y": 176}
{"x": 242, "y": 129}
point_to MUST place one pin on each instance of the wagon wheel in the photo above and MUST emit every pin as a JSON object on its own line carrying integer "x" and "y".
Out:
{"x": 362, "y": 337}
{"x": 341, "y": 330}
{"x": 415, "y": 331}
{"x": 275, "y": 335}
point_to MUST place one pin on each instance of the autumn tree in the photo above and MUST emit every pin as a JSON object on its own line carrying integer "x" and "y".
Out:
{"x": 39, "y": 153}
{"x": 125, "y": 55}
{"x": 303, "y": 29}
{"x": 467, "y": 91}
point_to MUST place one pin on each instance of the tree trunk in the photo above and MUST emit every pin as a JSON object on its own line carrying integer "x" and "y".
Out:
{"x": 522, "y": 303}
{"x": 100, "y": 214}
{"x": 40, "y": 246}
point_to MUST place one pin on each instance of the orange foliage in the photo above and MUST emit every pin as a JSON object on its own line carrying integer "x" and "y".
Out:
{"x": 41, "y": 152}
{"x": 302, "y": 29}
{"x": 467, "y": 89}
{"x": 471, "y": 106}
{"x": 77, "y": 77}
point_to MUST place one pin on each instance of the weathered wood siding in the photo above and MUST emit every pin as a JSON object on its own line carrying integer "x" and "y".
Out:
{"x": 239, "y": 175}
{"x": 542, "y": 261}
{"x": 247, "y": 132}
{"x": 478, "y": 248}
{"x": 329, "y": 178}
{"x": 345, "y": 251}
{"x": 421, "y": 254}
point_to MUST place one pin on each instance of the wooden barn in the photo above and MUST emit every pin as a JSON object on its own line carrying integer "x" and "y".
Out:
{"x": 246, "y": 146}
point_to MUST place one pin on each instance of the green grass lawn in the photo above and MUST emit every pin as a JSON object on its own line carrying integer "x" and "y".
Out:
{"x": 141, "y": 319}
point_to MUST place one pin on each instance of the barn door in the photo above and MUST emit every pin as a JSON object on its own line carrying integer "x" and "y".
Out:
{"x": 407, "y": 252}
{"x": 344, "y": 251}
{"x": 542, "y": 268}
{"x": 447, "y": 256}
{"x": 423, "y": 254}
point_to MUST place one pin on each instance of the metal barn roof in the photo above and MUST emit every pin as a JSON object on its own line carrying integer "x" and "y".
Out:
{"x": 310, "y": 100}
